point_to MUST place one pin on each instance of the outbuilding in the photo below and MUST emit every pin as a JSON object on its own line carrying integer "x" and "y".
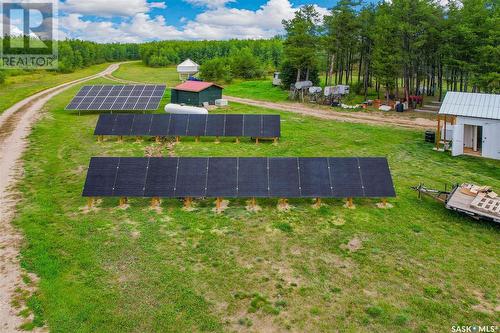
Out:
{"x": 196, "y": 93}
{"x": 187, "y": 69}
{"x": 471, "y": 121}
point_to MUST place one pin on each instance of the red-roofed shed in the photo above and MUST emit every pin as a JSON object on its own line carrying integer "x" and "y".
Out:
{"x": 196, "y": 93}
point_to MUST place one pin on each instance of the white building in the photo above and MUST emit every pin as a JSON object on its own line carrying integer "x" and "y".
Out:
{"x": 475, "y": 123}
{"x": 187, "y": 68}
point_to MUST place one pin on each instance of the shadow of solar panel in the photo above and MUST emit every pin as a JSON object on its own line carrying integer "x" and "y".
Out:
{"x": 178, "y": 125}
{"x": 222, "y": 178}
{"x": 284, "y": 178}
{"x": 315, "y": 178}
{"x": 197, "y": 124}
{"x": 377, "y": 178}
{"x": 215, "y": 125}
{"x": 131, "y": 177}
{"x": 160, "y": 181}
{"x": 159, "y": 125}
{"x": 123, "y": 124}
{"x": 84, "y": 91}
{"x": 252, "y": 126}
{"x": 141, "y": 125}
{"x": 191, "y": 177}
{"x": 253, "y": 178}
{"x": 105, "y": 124}
{"x": 101, "y": 177}
{"x": 96, "y": 103}
{"x": 271, "y": 126}
{"x": 234, "y": 125}
{"x": 346, "y": 178}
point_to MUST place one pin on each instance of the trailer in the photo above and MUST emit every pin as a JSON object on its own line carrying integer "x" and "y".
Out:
{"x": 479, "y": 203}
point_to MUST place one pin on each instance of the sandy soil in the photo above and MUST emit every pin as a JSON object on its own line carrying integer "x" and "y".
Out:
{"x": 352, "y": 117}
{"x": 15, "y": 126}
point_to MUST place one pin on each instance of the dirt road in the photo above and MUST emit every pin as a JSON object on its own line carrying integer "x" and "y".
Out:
{"x": 352, "y": 117}
{"x": 15, "y": 126}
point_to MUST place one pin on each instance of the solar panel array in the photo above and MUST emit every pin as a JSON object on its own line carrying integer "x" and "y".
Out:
{"x": 261, "y": 126}
{"x": 239, "y": 177}
{"x": 118, "y": 98}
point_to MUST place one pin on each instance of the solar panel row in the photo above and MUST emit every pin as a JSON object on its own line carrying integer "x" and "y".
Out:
{"x": 111, "y": 98}
{"x": 239, "y": 177}
{"x": 262, "y": 126}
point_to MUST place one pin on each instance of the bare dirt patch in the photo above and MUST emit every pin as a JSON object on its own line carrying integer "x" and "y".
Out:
{"x": 354, "y": 245}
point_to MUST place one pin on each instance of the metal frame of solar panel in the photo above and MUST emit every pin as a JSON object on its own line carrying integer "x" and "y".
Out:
{"x": 256, "y": 126}
{"x": 239, "y": 178}
{"x": 118, "y": 98}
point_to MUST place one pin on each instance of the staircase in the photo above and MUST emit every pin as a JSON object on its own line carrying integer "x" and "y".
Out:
{"x": 431, "y": 107}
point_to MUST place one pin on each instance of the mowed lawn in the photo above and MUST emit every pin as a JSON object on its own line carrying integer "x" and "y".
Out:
{"x": 138, "y": 72}
{"x": 16, "y": 88}
{"x": 414, "y": 268}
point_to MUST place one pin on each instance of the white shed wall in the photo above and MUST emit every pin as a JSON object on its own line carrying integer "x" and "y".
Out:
{"x": 491, "y": 136}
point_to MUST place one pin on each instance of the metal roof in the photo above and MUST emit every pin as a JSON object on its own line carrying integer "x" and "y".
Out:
{"x": 474, "y": 105}
{"x": 195, "y": 86}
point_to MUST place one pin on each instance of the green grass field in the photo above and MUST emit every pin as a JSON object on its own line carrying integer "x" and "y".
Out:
{"x": 257, "y": 89}
{"x": 414, "y": 268}
{"x": 138, "y": 72}
{"x": 18, "y": 87}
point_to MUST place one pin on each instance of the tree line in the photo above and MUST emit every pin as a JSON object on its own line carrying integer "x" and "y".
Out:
{"x": 400, "y": 47}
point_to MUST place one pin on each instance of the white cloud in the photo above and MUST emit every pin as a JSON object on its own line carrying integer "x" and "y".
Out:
{"x": 108, "y": 8}
{"x": 209, "y": 3}
{"x": 219, "y": 22}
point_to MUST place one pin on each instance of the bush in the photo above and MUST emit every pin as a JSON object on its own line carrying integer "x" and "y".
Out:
{"x": 217, "y": 70}
{"x": 289, "y": 75}
{"x": 245, "y": 65}
{"x": 2, "y": 76}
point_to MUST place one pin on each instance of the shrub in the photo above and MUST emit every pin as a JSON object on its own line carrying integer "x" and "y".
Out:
{"x": 289, "y": 75}
{"x": 2, "y": 76}
{"x": 245, "y": 65}
{"x": 217, "y": 70}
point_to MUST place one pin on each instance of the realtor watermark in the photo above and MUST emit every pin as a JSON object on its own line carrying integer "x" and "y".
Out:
{"x": 474, "y": 329}
{"x": 28, "y": 32}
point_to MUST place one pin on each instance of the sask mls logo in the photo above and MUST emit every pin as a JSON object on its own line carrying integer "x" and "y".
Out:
{"x": 28, "y": 34}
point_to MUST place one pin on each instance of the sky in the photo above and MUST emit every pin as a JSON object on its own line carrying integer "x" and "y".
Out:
{"x": 146, "y": 20}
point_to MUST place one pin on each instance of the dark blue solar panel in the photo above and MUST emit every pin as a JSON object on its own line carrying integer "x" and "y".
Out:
{"x": 105, "y": 124}
{"x": 137, "y": 91}
{"x": 159, "y": 125}
{"x": 197, "y": 125}
{"x": 284, "y": 178}
{"x": 315, "y": 178}
{"x": 376, "y": 177}
{"x": 141, "y": 125}
{"x": 131, "y": 177}
{"x": 84, "y": 91}
{"x": 271, "y": 126}
{"x": 119, "y": 103}
{"x": 123, "y": 124}
{"x": 115, "y": 91}
{"x": 253, "y": 178}
{"x": 222, "y": 177}
{"x": 125, "y": 92}
{"x": 346, "y": 178}
{"x": 234, "y": 125}
{"x": 105, "y": 91}
{"x": 96, "y": 103}
{"x": 215, "y": 125}
{"x": 252, "y": 126}
{"x": 191, "y": 177}
{"x": 162, "y": 173}
{"x": 178, "y": 125}
{"x": 94, "y": 90}
{"x": 101, "y": 177}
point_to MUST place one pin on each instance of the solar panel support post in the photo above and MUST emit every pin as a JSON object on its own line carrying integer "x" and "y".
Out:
{"x": 217, "y": 140}
{"x": 90, "y": 202}
{"x": 197, "y": 139}
{"x": 120, "y": 139}
{"x": 155, "y": 202}
{"x": 237, "y": 140}
{"x": 123, "y": 201}
{"x": 253, "y": 203}
{"x": 100, "y": 138}
{"x": 276, "y": 139}
{"x": 383, "y": 204}
{"x": 158, "y": 139}
{"x": 283, "y": 204}
{"x": 218, "y": 205}
{"x": 177, "y": 139}
{"x": 188, "y": 202}
{"x": 350, "y": 203}
{"x": 138, "y": 139}
{"x": 317, "y": 203}
{"x": 256, "y": 141}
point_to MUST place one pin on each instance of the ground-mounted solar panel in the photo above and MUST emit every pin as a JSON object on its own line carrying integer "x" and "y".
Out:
{"x": 131, "y": 177}
{"x": 178, "y": 125}
{"x": 271, "y": 126}
{"x": 222, "y": 180}
{"x": 191, "y": 177}
{"x": 116, "y": 98}
{"x": 160, "y": 124}
{"x": 215, "y": 125}
{"x": 253, "y": 178}
{"x": 346, "y": 178}
{"x": 105, "y": 124}
{"x": 197, "y": 125}
{"x": 141, "y": 125}
{"x": 161, "y": 177}
{"x": 101, "y": 177}
{"x": 123, "y": 125}
{"x": 376, "y": 177}
{"x": 284, "y": 178}
{"x": 252, "y": 126}
{"x": 234, "y": 125}
{"x": 315, "y": 178}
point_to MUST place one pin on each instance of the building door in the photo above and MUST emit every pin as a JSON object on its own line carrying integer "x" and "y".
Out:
{"x": 479, "y": 138}
{"x": 458, "y": 140}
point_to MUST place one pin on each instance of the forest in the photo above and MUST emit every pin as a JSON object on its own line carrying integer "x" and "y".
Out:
{"x": 401, "y": 47}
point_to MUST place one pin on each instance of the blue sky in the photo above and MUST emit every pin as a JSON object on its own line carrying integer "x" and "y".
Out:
{"x": 145, "y": 20}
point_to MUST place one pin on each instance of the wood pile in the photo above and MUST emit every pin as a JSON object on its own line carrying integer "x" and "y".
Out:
{"x": 485, "y": 199}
